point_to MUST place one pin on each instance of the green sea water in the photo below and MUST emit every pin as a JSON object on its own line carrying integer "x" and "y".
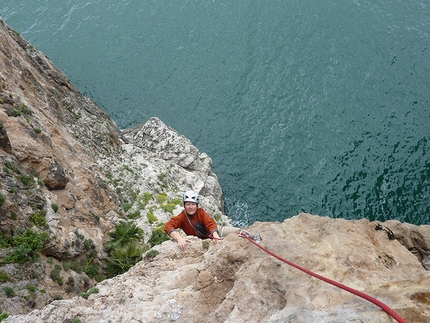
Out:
{"x": 304, "y": 106}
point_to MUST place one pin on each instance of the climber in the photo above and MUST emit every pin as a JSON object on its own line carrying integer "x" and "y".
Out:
{"x": 196, "y": 221}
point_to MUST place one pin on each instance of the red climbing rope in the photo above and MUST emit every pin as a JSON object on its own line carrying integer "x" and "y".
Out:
{"x": 383, "y": 306}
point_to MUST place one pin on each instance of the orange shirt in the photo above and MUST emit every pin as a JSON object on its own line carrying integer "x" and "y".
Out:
{"x": 201, "y": 217}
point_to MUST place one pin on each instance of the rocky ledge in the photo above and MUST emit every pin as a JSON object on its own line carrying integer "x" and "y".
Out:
{"x": 235, "y": 281}
{"x": 70, "y": 176}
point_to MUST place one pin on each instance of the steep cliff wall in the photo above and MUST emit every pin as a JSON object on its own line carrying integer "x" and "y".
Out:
{"x": 69, "y": 172}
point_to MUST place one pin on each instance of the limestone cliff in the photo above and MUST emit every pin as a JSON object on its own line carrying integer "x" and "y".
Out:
{"x": 68, "y": 171}
{"x": 235, "y": 281}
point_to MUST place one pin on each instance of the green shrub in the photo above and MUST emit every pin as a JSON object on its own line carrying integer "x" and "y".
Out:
{"x": 91, "y": 268}
{"x": 162, "y": 198}
{"x": 116, "y": 182}
{"x": 31, "y": 288}
{"x": 96, "y": 217}
{"x": 27, "y": 246}
{"x": 25, "y": 178}
{"x": 10, "y": 292}
{"x": 89, "y": 292}
{"x": 135, "y": 194}
{"x": 25, "y": 109}
{"x": 38, "y": 219}
{"x": 2, "y": 199}
{"x": 56, "y": 276}
{"x": 75, "y": 320}
{"x": 147, "y": 196}
{"x": 10, "y": 165}
{"x": 122, "y": 258}
{"x": 151, "y": 217}
{"x": 16, "y": 113}
{"x": 144, "y": 199}
{"x": 66, "y": 265}
{"x": 78, "y": 235}
{"x": 76, "y": 266}
{"x": 55, "y": 207}
{"x": 89, "y": 245}
{"x": 13, "y": 216}
{"x": 3, "y": 277}
{"x": 5, "y": 240}
{"x": 151, "y": 254}
{"x": 3, "y": 316}
{"x": 133, "y": 215}
{"x": 124, "y": 233}
{"x": 40, "y": 182}
{"x": 125, "y": 248}
{"x": 127, "y": 206}
{"x": 37, "y": 130}
{"x": 58, "y": 297}
{"x": 70, "y": 281}
{"x": 158, "y": 236}
{"x": 169, "y": 206}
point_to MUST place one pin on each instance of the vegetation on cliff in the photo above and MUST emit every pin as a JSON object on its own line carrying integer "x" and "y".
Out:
{"x": 80, "y": 200}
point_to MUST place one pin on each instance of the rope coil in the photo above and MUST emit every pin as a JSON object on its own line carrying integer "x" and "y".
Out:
{"x": 371, "y": 299}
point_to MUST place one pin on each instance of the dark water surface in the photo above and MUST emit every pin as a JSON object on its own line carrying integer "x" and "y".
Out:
{"x": 311, "y": 106}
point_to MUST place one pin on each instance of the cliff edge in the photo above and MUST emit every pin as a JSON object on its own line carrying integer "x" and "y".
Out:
{"x": 235, "y": 281}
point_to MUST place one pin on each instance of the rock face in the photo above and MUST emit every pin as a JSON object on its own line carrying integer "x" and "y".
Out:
{"x": 235, "y": 281}
{"x": 156, "y": 144}
{"x": 68, "y": 171}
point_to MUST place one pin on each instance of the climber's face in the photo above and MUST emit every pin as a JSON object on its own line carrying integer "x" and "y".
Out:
{"x": 190, "y": 207}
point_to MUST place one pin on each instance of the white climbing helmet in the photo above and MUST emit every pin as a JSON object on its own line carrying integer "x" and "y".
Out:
{"x": 191, "y": 196}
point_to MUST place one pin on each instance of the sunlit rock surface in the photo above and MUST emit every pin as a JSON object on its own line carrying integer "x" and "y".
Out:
{"x": 235, "y": 281}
